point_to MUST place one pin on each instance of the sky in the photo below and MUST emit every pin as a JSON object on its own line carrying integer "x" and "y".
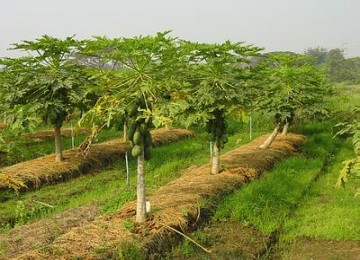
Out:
{"x": 276, "y": 25}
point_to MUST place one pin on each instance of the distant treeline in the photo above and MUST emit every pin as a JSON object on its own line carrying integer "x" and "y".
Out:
{"x": 339, "y": 68}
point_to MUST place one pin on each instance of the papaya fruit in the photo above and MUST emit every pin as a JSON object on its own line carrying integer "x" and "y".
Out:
{"x": 131, "y": 131}
{"x": 147, "y": 139}
{"x": 136, "y": 150}
{"x": 147, "y": 152}
{"x": 137, "y": 137}
{"x": 133, "y": 110}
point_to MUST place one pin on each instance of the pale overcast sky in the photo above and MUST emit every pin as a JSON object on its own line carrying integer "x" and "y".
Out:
{"x": 292, "y": 25}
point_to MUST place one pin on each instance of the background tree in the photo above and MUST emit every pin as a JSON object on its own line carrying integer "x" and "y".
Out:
{"x": 318, "y": 53}
{"x": 335, "y": 62}
{"x": 292, "y": 84}
{"x": 47, "y": 83}
{"x": 216, "y": 75}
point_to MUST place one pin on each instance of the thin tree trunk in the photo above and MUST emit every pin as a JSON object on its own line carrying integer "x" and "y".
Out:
{"x": 285, "y": 129}
{"x": 58, "y": 148}
{"x": 250, "y": 125}
{"x": 215, "y": 169}
{"x": 271, "y": 138}
{"x": 167, "y": 126}
{"x": 125, "y": 132}
{"x": 141, "y": 202}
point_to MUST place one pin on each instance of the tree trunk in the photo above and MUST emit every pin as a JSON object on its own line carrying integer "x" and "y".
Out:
{"x": 58, "y": 147}
{"x": 125, "y": 132}
{"x": 141, "y": 201}
{"x": 215, "y": 169}
{"x": 271, "y": 138}
{"x": 167, "y": 126}
{"x": 285, "y": 129}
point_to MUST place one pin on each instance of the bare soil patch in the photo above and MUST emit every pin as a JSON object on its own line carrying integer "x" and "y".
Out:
{"x": 228, "y": 240}
{"x": 183, "y": 204}
{"x": 44, "y": 170}
{"x": 308, "y": 248}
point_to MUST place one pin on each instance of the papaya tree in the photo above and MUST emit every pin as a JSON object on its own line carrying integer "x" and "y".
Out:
{"x": 143, "y": 73}
{"x": 216, "y": 76}
{"x": 291, "y": 84}
{"x": 47, "y": 83}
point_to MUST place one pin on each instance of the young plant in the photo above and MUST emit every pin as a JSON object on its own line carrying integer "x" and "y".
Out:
{"x": 350, "y": 129}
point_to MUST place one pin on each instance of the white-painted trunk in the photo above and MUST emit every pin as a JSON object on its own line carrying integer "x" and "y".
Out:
{"x": 125, "y": 132}
{"x": 270, "y": 139}
{"x": 215, "y": 169}
{"x": 58, "y": 148}
{"x": 168, "y": 126}
{"x": 141, "y": 201}
{"x": 285, "y": 129}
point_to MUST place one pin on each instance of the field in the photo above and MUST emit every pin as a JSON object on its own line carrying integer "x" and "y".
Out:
{"x": 274, "y": 204}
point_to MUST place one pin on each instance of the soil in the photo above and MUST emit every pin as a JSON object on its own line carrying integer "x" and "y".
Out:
{"x": 228, "y": 240}
{"x": 308, "y": 248}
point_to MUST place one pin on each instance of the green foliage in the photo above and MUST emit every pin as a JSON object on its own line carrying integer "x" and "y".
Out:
{"x": 47, "y": 84}
{"x": 292, "y": 86}
{"x": 350, "y": 129}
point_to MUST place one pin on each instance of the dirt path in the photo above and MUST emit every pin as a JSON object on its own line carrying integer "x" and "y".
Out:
{"x": 182, "y": 204}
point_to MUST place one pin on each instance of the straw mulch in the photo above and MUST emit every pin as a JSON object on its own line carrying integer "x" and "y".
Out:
{"x": 24, "y": 239}
{"x": 43, "y": 170}
{"x": 182, "y": 204}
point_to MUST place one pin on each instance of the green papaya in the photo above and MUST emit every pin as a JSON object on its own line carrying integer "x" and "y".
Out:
{"x": 147, "y": 152}
{"x": 133, "y": 110}
{"x": 147, "y": 139}
{"x": 143, "y": 128}
{"x": 131, "y": 131}
{"x": 136, "y": 150}
{"x": 137, "y": 137}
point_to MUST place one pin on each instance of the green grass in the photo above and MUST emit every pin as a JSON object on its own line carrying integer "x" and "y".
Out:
{"x": 326, "y": 212}
{"x": 266, "y": 202}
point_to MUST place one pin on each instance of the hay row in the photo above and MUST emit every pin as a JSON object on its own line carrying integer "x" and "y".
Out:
{"x": 179, "y": 204}
{"x": 44, "y": 170}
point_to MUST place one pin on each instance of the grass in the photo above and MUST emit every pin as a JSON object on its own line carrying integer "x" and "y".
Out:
{"x": 266, "y": 202}
{"x": 326, "y": 212}
{"x": 108, "y": 187}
